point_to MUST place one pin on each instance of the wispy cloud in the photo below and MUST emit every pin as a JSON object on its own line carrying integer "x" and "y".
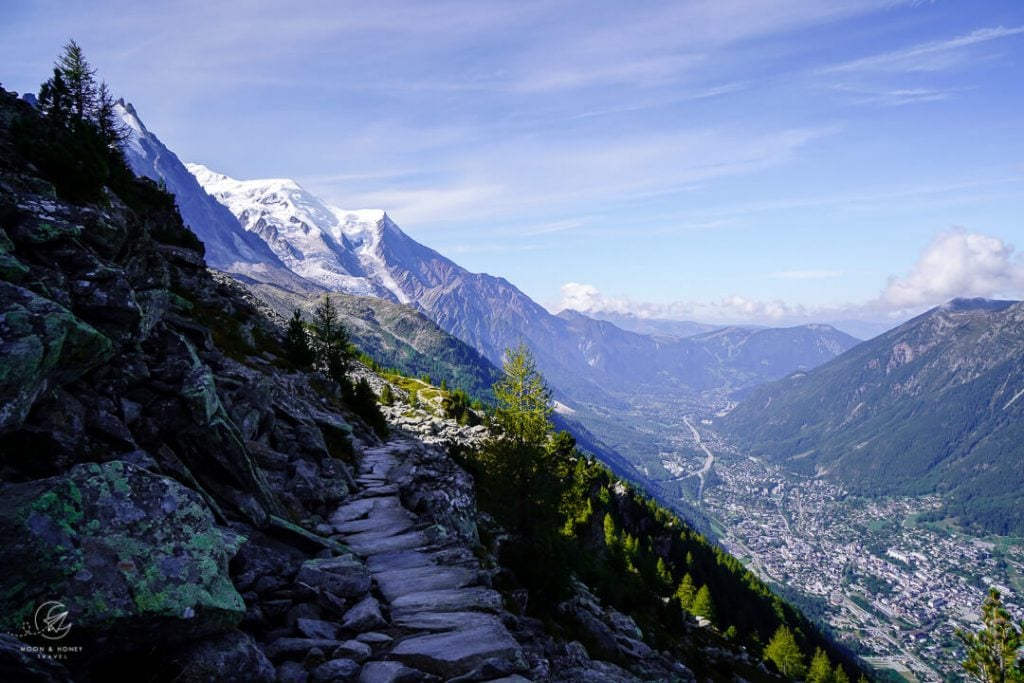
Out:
{"x": 551, "y": 228}
{"x": 489, "y": 248}
{"x": 547, "y": 175}
{"x": 692, "y": 96}
{"x": 821, "y": 274}
{"x": 956, "y": 263}
{"x": 895, "y": 97}
{"x": 931, "y": 56}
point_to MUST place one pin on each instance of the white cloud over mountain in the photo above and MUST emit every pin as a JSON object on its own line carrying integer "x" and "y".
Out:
{"x": 956, "y": 263}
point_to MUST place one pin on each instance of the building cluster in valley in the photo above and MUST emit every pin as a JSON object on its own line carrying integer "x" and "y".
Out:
{"x": 890, "y": 586}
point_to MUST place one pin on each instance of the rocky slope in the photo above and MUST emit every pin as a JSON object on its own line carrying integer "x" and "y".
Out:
{"x": 396, "y": 336}
{"x": 177, "y": 502}
{"x": 934, "y": 405}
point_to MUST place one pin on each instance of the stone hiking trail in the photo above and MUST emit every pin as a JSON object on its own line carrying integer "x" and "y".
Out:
{"x": 445, "y": 623}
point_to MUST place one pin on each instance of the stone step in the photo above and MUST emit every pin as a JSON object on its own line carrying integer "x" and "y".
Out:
{"x": 454, "y": 653}
{"x": 373, "y": 543}
{"x": 395, "y": 583}
{"x": 358, "y": 508}
{"x": 387, "y": 519}
{"x": 444, "y": 621}
{"x": 399, "y": 559}
{"x": 378, "y": 491}
{"x": 475, "y": 599}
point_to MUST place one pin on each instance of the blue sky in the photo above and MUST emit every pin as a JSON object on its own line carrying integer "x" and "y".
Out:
{"x": 767, "y": 161}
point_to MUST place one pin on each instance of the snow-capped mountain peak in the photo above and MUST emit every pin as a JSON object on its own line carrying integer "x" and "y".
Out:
{"x": 339, "y": 249}
{"x": 228, "y": 246}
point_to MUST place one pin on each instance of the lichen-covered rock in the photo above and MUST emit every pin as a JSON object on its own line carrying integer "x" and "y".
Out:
{"x": 42, "y": 345}
{"x": 133, "y": 556}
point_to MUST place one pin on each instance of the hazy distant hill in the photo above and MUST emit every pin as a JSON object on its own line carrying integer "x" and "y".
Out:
{"x": 934, "y": 405}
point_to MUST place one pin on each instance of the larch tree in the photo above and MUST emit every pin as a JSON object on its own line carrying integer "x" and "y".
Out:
{"x": 703, "y": 606}
{"x": 520, "y": 471}
{"x": 994, "y": 652}
{"x": 685, "y": 592}
{"x": 80, "y": 79}
{"x": 112, "y": 129}
{"x": 524, "y": 400}
{"x": 296, "y": 343}
{"x": 333, "y": 349}
{"x": 784, "y": 653}
{"x": 821, "y": 669}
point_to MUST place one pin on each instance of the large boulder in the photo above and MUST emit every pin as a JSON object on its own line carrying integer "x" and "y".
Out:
{"x": 135, "y": 558}
{"x": 42, "y": 345}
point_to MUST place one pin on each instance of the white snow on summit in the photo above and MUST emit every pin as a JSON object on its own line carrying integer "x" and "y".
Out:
{"x": 338, "y": 249}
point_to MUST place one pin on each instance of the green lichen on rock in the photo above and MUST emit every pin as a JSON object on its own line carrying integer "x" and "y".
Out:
{"x": 127, "y": 552}
{"x": 44, "y": 231}
{"x": 43, "y": 344}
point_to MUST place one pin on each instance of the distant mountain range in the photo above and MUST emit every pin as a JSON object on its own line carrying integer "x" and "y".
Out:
{"x": 934, "y": 405}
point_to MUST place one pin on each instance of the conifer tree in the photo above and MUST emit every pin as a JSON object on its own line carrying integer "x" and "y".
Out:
{"x": 296, "y": 342}
{"x": 685, "y": 592}
{"x": 80, "y": 79}
{"x": 55, "y": 100}
{"x": 784, "y": 653}
{"x": 112, "y": 129}
{"x": 523, "y": 477}
{"x": 664, "y": 575}
{"x": 334, "y": 351}
{"x": 523, "y": 400}
{"x": 993, "y": 653}
{"x": 703, "y": 605}
{"x": 78, "y": 144}
{"x": 611, "y": 534}
{"x": 839, "y": 675}
{"x": 821, "y": 668}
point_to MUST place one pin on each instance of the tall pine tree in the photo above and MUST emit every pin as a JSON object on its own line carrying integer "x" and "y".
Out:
{"x": 296, "y": 343}
{"x": 80, "y": 79}
{"x": 333, "y": 349}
